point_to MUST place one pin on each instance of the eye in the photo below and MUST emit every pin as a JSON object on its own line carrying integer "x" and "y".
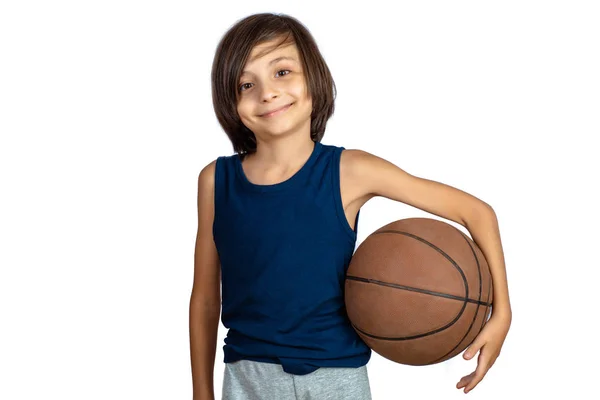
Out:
{"x": 242, "y": 87}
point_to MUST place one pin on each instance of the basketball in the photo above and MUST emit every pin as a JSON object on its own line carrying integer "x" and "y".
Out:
{"x": 418, "y": 291}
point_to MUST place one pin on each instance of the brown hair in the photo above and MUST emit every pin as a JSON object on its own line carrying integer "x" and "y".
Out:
{"x": 232, "y": 54}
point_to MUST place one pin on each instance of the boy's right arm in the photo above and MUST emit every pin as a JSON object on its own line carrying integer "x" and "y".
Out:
{"x": 205, "y": 301}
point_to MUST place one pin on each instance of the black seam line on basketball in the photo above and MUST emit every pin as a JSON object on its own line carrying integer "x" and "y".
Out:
{"x": 456, "y": 318}
{"x": 490, "y": 291}
{"x": 488, "y": 302}
{"x": 413, "y": 289}
{"x": 419, "y": 335}
{"x": 454, "y": 264}
{"x": 476, "y": 309}
{"x": 487, "y": 309}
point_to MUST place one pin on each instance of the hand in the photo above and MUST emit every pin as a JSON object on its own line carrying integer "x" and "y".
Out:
{"x": 488, "y": 343}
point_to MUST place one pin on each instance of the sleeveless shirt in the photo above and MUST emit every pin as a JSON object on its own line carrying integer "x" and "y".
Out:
{"x": 284, "y": 251}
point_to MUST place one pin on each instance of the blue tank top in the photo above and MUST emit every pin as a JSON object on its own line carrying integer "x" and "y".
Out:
{"x": 284, "y": 251}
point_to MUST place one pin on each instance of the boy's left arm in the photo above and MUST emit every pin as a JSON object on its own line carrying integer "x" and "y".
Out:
{"x": 382, "y": 178}
{"x": 485, "y": 232}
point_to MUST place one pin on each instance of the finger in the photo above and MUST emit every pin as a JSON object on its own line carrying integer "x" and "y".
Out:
{"x": 482, "y": 368}
{"x": 474, "y": 382}
{"x": 473, "y": 349}
{"x": 462, "y": 384}
{"x": 465, "y": 380}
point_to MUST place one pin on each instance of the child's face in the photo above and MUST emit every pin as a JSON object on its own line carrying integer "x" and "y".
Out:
{"x": 269, "y": 86}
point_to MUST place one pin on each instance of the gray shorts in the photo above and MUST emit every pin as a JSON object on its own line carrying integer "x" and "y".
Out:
{"x": 252, "y": 380}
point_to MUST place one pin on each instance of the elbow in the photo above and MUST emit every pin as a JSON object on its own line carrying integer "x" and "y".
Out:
{"x": 482, "y": 211}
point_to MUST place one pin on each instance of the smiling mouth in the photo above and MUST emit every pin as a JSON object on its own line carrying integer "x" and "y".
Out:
{"x": 277, "y": 112}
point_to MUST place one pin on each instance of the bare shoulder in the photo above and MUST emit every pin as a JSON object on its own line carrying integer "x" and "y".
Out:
{"x": 355, "y": 159}
{"x": 370, "y": 171}
{"x": 206, "y": 193}
{"x": 380, "y": 177}
{"x": 206, "y": 179}
{"x": 353, "y": 163}
{"x": 352, "y": 176}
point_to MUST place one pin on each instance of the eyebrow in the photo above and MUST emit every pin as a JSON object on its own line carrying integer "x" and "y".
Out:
{"x": 273, "y": 61}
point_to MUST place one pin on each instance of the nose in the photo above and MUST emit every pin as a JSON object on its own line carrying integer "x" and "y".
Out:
{"x": 269, "y": 91}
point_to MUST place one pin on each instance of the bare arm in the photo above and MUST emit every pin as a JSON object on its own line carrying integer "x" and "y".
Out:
{"x": 205, "y": 301}
{"x": 383, "y": 178}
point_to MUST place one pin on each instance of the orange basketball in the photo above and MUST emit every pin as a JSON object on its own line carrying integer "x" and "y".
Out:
{"x": 418, "y": 291}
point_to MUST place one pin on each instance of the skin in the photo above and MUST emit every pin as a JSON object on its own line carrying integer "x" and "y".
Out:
{"x": 284, "y": 145}
{"x": 283, "y": 141}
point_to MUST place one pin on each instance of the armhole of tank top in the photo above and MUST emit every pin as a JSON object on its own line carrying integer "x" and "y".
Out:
{"x": 216, "y": 194}
{"x": 337, "y": 194}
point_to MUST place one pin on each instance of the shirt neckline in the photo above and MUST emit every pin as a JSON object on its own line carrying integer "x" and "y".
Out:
{"x": 280, "y": 185}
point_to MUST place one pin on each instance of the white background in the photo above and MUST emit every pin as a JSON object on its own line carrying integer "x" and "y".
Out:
{"x": 106, "y": 120}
